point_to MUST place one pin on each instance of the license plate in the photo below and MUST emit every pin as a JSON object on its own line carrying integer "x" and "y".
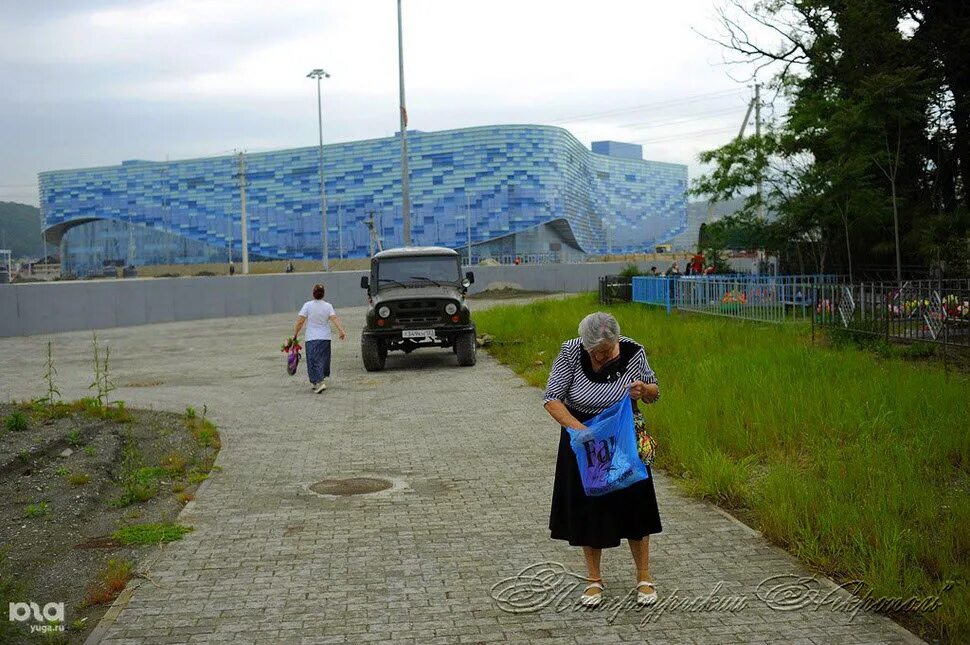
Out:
{"x": 418, "y": 333}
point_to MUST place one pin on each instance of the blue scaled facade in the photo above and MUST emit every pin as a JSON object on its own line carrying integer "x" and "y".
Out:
{"x": 524, "y": 189}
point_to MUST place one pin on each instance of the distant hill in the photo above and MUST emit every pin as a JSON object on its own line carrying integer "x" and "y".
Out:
{"x": 20, "y": 229}
{"x": 699, "y": 209}
{"x": 696, "y": 216}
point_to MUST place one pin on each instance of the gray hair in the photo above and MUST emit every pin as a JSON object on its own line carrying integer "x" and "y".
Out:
{"x": 598, "y": 328}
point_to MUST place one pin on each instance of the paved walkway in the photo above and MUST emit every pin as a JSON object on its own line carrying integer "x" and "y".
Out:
{"x": 473, "y": 453}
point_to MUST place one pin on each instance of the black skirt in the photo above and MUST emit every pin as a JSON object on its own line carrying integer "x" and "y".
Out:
{"x": 601, "y": 522}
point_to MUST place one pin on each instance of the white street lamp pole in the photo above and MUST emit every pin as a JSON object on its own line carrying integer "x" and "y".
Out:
{"x": 320, "y": 74}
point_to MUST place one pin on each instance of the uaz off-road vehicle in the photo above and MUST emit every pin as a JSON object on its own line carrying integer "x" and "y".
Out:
{"x": 417, "y": 299}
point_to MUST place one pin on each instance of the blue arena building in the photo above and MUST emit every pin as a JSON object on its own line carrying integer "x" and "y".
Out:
{"x": 527, "y": 190}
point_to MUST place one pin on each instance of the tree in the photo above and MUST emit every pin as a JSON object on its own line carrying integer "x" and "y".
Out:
{"x": 872, "y": 146}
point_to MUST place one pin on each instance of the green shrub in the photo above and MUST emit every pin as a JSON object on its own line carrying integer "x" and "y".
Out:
{"x": 79, "y": 479}
{"x": 16, "y": 421}
{"x": 141, "y": 485}
{"x": 36, "y": 510}
{"x": 631, "y": 271}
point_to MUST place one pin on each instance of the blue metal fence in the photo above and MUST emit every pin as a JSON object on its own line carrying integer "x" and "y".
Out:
{"x": 751, "y": 297}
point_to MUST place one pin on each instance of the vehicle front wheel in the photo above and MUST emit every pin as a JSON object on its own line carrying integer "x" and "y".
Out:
{"x": 465, "y": 349}
{"x": 374, "y": 353}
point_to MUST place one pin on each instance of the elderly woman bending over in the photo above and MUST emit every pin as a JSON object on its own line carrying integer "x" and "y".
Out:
{"x": 590, "y": 374}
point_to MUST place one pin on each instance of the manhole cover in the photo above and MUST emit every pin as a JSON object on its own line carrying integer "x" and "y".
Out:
{"x": 350, "y": 486}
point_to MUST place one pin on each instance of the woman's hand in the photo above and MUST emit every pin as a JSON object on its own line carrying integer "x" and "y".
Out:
{"x": 646, "y": 392}
{"x": 342, "y": 334}
{"x": 558, "y": 411}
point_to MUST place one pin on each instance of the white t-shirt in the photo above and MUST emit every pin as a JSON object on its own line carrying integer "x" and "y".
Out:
{"x": 317, "y": 313}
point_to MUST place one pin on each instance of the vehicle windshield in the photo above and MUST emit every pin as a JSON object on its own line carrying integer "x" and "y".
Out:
{"x": 418, "y": 271}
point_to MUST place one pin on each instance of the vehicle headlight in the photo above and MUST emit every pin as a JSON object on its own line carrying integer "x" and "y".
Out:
{"x": 451, "y": 308}
{"x": 384, "y": 312}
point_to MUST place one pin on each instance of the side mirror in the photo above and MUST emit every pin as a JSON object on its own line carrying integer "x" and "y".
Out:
{"x": 364, "y": 282}
{"x": 470, "y": 276}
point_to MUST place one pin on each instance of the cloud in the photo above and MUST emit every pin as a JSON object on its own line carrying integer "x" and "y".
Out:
{"x": 96, "y": 82}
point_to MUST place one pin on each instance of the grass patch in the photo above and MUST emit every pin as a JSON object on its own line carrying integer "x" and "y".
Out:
{"x": 109, "y": 583}
{"x": 152, "y": 533}
{"x": 16, "y": 421}
{"x": 857, "y": 462}
{"x": 205, "y": 432}
{"x": 139, "y": 482}
{"x": 196, "y": 477}
{"x": 174, "y": 463}
{"x": 79, "y": 479}
{"x": 141, "y": 485}
{"x": 88, "y": 406}
{"x": 40, "y": 509}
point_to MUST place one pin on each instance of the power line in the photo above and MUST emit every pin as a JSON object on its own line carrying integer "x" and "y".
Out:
{"x": 636, "y": 108}
{"x": 686, "y": 119}
{"x": 686, "y": 135}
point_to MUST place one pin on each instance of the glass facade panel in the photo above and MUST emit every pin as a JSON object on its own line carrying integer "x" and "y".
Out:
{"x": 513, "y": 178}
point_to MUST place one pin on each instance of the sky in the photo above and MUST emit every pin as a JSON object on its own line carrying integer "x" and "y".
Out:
{"x": 94, "y": 82}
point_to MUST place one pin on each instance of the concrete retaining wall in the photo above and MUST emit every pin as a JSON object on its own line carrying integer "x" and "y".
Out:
{"x": 43, "y": 308}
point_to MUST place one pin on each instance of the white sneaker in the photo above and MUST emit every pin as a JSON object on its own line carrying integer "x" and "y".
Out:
{"x": 321, "y": 387}
{"x": 313, "y": 386}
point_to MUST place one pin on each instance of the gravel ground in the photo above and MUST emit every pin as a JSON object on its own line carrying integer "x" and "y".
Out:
{"x": 55, "y": 532}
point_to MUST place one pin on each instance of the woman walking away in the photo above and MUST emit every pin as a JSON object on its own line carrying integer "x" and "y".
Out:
{"x": 317, "y": 314}
{"x": 591, "y": 373}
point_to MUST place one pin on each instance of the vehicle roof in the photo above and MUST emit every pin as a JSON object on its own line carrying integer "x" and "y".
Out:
{"x": 405, "y": 251}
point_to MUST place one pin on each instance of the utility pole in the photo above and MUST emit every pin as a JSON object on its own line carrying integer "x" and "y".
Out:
{"x": 405, "y": 173}
{"x": 370, "y": 234}
{"x": 131, "y": 243}
{"x": 229, "y": 234}
{"x": 757, "y": 134}
{"x": 242, "y": 213}
{"x": 468, "y": 225}
{"x": 753, "y": 104}
{"x": 168, "y": 206}
{"x": 340, "y": 234}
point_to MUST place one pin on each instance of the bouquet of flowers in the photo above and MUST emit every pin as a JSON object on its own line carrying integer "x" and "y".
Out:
{"x": 292, "y": 350}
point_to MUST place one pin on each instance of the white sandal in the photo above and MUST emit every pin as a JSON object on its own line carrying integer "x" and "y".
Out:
{"x": 646, "y": 598}
{"x": 592, "y": 600}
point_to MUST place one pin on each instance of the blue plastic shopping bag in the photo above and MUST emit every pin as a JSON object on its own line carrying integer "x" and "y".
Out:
{"x": 606, "y": 452}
